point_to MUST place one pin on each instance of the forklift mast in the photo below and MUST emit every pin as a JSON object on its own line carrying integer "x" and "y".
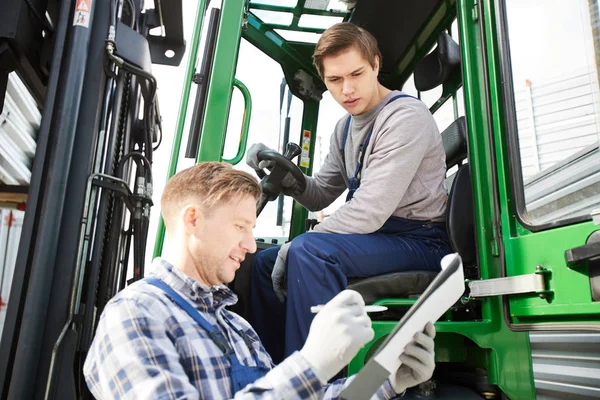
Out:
{"x": 88, "y": 66}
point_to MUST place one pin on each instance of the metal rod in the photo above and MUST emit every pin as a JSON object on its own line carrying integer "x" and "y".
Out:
{"x": 203, "y": 84}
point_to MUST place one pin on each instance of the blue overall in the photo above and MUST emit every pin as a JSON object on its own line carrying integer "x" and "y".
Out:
{"x": 319, "y": 265}
{"x": 241, "y": 375}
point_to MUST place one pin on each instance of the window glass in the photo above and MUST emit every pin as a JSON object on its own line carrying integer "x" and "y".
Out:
{"x": 266, "y": 126}
{"x": 555, "y": 76}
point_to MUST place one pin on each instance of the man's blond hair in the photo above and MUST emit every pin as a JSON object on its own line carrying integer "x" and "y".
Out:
{"x": 208, "y": 184}
{"x": 342, "y": 37}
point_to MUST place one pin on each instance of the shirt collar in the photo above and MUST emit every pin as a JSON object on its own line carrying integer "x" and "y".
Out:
{"x": 206, "y": 297}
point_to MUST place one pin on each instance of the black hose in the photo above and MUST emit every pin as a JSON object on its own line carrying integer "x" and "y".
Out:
{"x": 138, "y": 260}
{"x": 149, "y": 122}
{"x": 125, "y": 256}
{"x": 139, "y": 159}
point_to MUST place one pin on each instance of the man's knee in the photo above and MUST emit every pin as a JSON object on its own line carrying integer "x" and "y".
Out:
{"x": 317, "y": 244}
{"x": 308, "y": 248}
{"x": 302, "y": 244}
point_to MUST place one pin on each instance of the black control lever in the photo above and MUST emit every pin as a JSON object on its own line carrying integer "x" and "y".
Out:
{"x": 292, "y": 150}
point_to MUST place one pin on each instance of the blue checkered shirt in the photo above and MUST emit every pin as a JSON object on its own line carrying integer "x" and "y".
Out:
{"x": 147, "y": 347}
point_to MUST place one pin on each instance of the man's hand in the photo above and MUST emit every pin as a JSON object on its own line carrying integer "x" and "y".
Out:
{"x": 278, "y": 274}
{"x": 252, "y": 157}
{"x": 336, "y": 334}
{"x": 418, "y": 361}
{"x": 252, "y": 161}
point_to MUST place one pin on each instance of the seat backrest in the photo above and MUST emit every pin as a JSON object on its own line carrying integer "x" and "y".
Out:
{"x": 460, "y": 219}
{"x": 460, "y": 216}
{"x": 454, "y": 139}
{"x": 440, "y": 66}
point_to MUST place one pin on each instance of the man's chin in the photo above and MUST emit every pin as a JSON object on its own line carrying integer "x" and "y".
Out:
{"x": 227, "y": 279}
{"x": 354, "y": 111}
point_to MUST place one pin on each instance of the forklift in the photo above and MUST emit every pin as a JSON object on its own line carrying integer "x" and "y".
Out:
{"x": 522, "y": 168}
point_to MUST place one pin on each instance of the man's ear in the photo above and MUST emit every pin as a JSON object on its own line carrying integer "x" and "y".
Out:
{"x": 376, "y": 68}
{"x": 191, "y": 217}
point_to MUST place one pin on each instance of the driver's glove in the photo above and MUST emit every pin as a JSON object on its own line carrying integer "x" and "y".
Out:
{"x": 418, "y": 361}
{"x": 278, "y": 274}
{"x": 288, "y": 181}
{"x": 252, "y": 157}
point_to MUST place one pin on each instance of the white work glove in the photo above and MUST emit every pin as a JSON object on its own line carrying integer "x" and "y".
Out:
{"x": 252, "y": 161}
{"x": 278, "y": 274}
{"x": 336, "y": 334}
{"x": 252, "y": 157}
{"x": 418, "y": 361}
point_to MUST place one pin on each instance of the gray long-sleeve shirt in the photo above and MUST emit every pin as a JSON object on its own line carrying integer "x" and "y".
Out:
{"x": 403, "y": 170}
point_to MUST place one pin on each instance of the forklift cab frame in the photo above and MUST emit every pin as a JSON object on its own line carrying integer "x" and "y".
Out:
{"x": 487, "y": 333}
{"x": 529, "y": 230}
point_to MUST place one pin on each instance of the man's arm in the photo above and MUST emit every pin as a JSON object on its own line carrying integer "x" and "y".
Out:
{"x": 333, "y": 390}
{"x": 131, "y": 357}
{"x": 278, "y": 385}
{"x": 327, "y": 184}
{"x": 399, "y": 148}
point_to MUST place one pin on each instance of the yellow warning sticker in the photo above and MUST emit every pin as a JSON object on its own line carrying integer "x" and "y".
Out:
{"x": 305, "y": 156}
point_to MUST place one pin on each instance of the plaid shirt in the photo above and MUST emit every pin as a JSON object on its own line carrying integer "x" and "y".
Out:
{"x": 148, "y": 347}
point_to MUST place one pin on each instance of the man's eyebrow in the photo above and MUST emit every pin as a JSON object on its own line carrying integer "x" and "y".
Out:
{"x": 353, "y": 72}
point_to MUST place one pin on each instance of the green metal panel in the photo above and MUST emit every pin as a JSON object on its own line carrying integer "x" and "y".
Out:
{"x": 218, "y": 99}
{"x": 505, "y": 355}
{"x": 571, "y": 300}
{"x": 449, "y": 347}
{"x": 183, "y": 105}
{"x": 309, "y": 122}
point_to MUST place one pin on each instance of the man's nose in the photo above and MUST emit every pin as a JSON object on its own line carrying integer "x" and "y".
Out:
{"x": 249, "y": 244}
{"x": 347, "y": 87}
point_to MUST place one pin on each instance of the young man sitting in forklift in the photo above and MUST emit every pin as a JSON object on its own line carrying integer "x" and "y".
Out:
{"x": 388, "y": 153}
{"x": 170, "y": 336}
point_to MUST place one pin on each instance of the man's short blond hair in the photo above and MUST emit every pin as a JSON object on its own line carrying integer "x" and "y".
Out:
{"x": 208, "y": 184}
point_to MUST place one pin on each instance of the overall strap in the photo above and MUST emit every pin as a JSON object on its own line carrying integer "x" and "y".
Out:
{"x": 175, "y": 297}
{"x": 344, "y": 138}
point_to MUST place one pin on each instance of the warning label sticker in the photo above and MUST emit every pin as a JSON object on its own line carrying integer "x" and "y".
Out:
{"x": 305, "y": 156}
{"x": 82, "y": 13}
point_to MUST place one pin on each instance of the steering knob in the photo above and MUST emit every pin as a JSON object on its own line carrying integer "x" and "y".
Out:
{"x": 292, "y": 150}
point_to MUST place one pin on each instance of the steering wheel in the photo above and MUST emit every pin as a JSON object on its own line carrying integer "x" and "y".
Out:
{"x": 272, "y": 183}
